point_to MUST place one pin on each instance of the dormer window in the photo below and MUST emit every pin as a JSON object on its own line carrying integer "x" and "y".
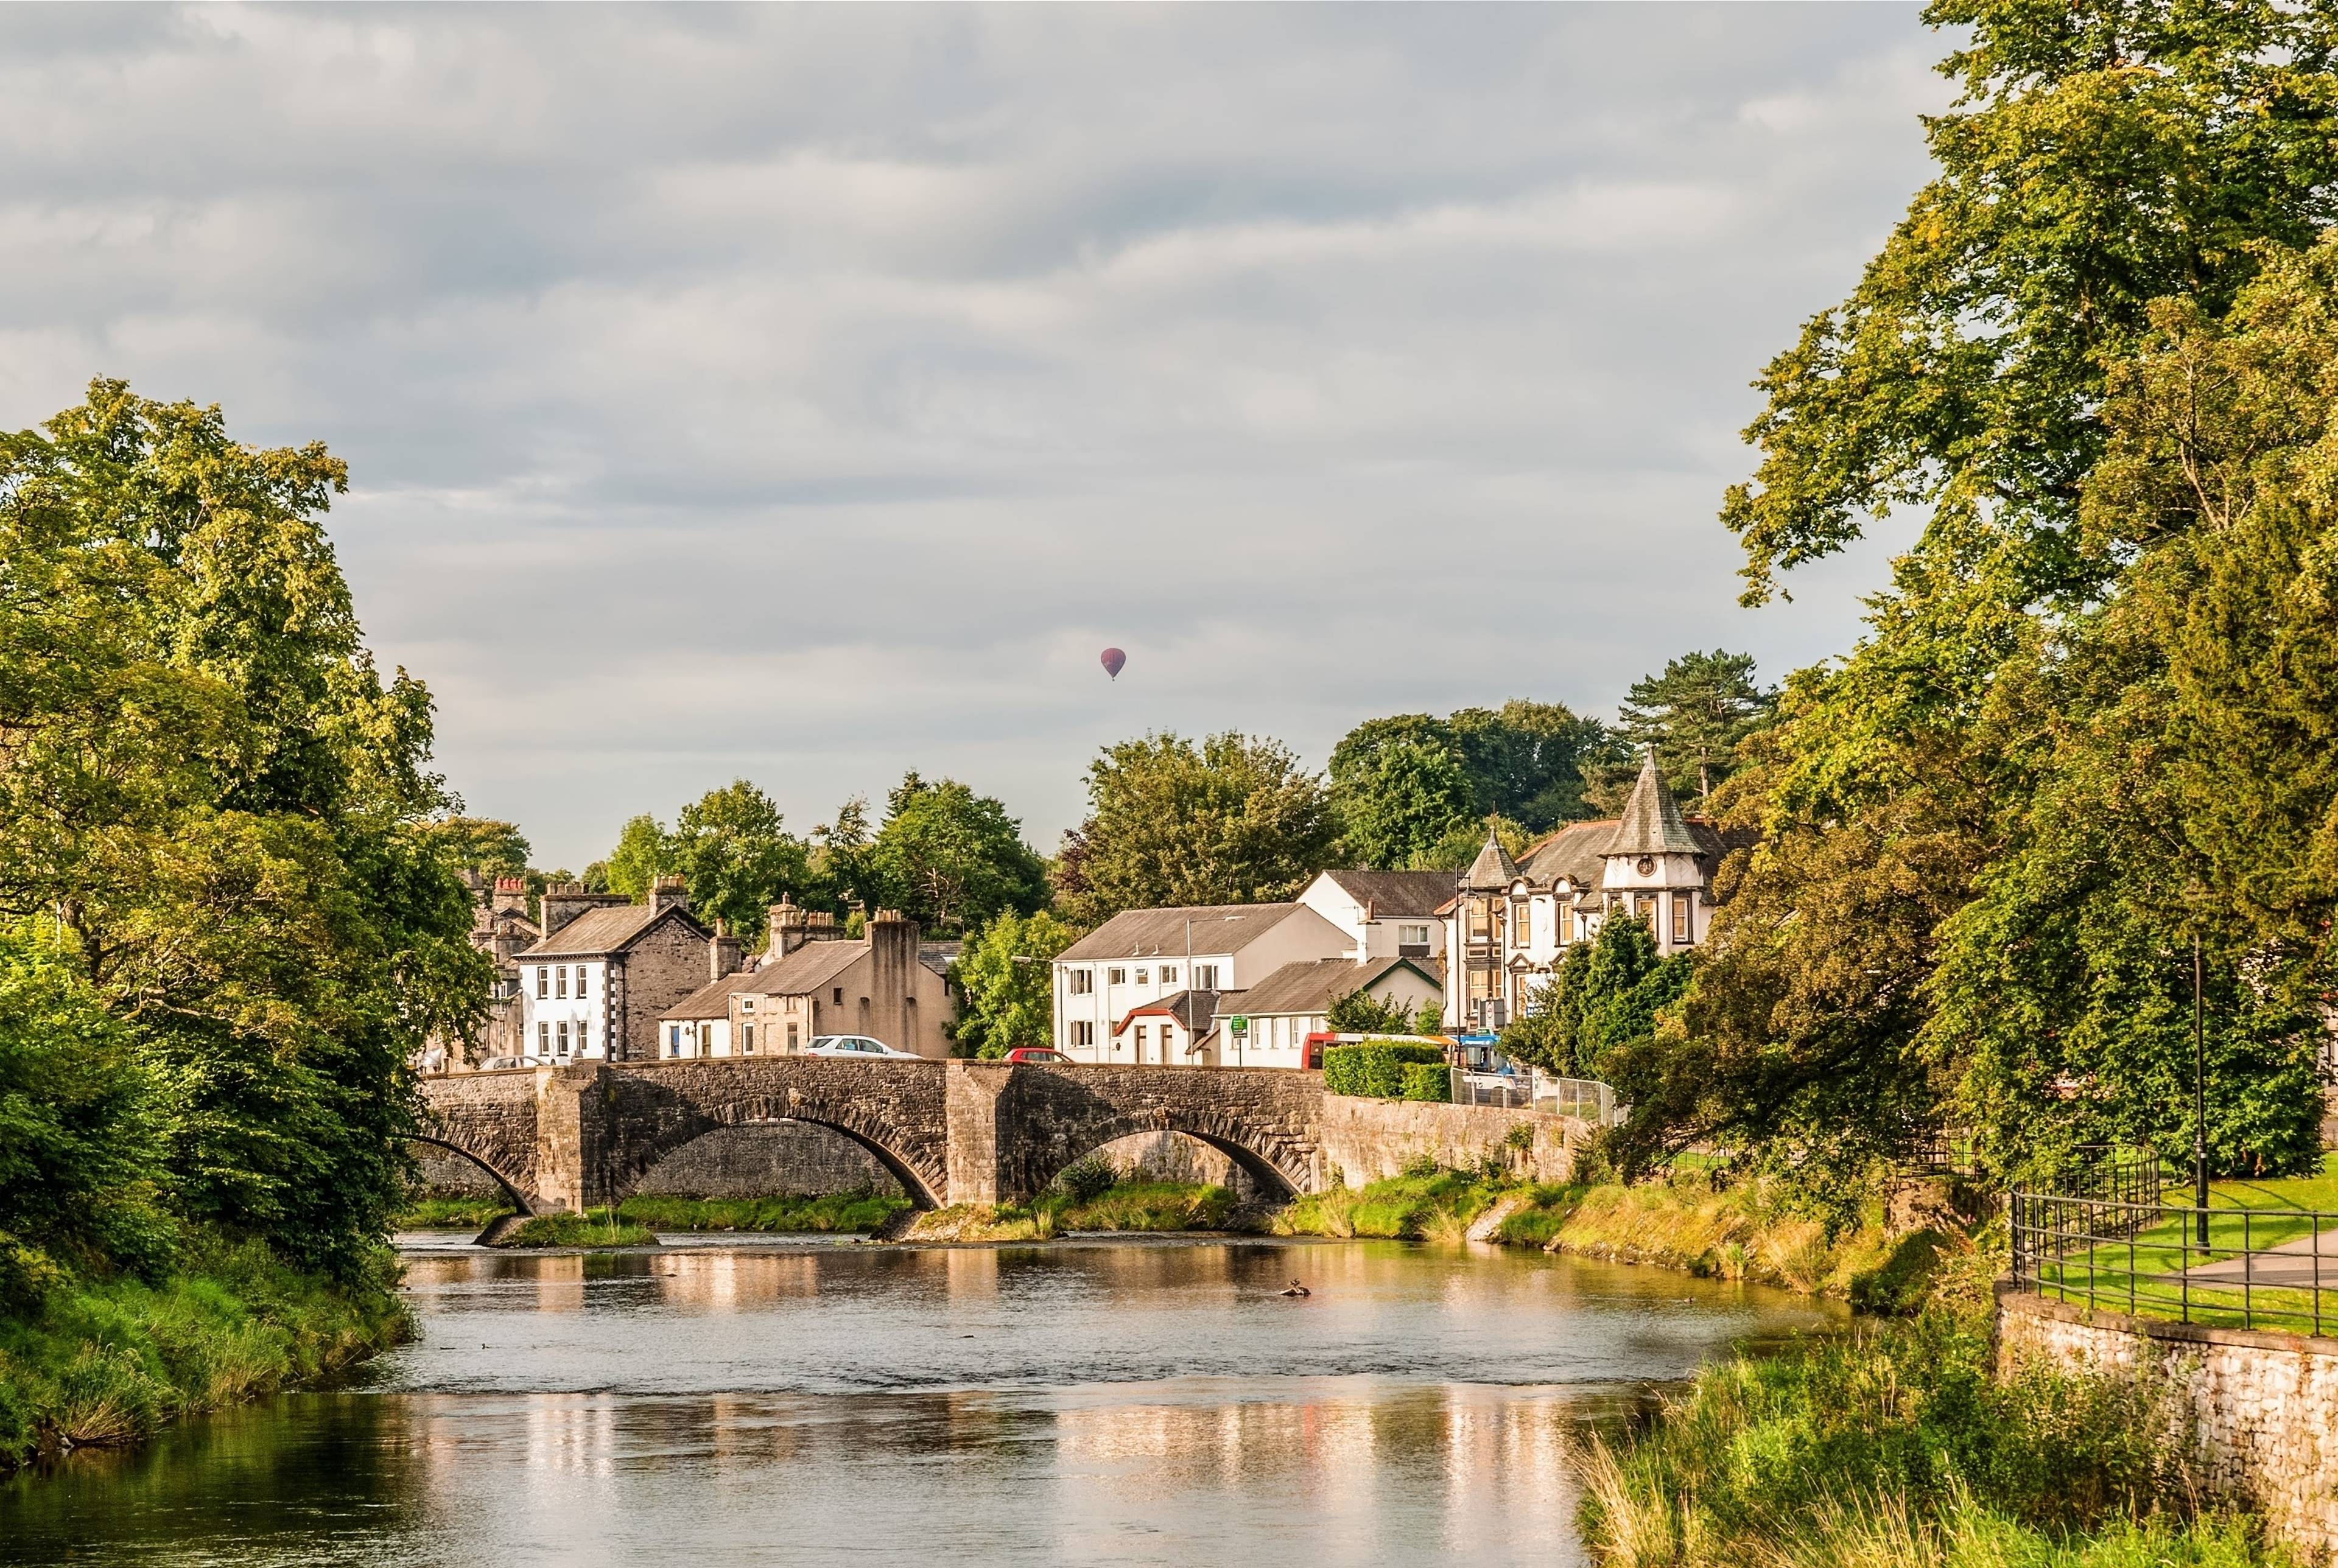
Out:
{"x": 1647, "y": 866}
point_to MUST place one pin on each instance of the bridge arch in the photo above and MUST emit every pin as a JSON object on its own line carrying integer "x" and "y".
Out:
{"x": 1227, "y": 1135}
{"x": 519, "y": 1197}
{"x": 922, "y": 1187}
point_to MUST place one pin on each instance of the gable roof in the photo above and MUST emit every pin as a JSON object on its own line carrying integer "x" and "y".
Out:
{"x": 1493, "y": 867}
{"x": 1652, "y": 823}
{"x": 1161, "y": 933}
{"x": 1396, "y": 895}
{"x": 1312, "y": 985}
{"x": 712, "y": 999}
{"x": 612, "y": 930}
{"x": 1575, "y": 851}
{"x": 1194, "y": 1009}
{"x": 807, "y": 969}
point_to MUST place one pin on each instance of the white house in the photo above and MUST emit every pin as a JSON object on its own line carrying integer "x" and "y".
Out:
{"x": 606, "y": 969}
{"x": 1385, "y": 913}
{"x": 1510, "y": 925}
{"x": 1143, "y": 955}
{"x": 1281, "y": 1010}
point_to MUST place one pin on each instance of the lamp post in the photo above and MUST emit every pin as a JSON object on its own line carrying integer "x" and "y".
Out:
{"x": 2199, "y": 1100}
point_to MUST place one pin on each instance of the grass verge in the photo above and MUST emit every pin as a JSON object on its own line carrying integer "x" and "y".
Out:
{"x": 450, "y": 1214}
{"x": 593, "y": 1228}
{"x": 1125, "y": 1206}
{"x": 830, "y": 1212}
{"x": 1896, "y": 1445}
{"x": 106, "y": 1364}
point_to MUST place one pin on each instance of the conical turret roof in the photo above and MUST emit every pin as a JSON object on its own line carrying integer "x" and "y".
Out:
{"x": 1652, "y": 822}
{"x": 1493, "y": 867}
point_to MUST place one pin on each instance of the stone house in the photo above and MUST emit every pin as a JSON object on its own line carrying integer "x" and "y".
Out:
{"x": 1142, "y": 957}
{"x": 1507, "y": 928}
{"x": 810, "y": 981}
{"x": 605, "y": 971}
{"x": 1281, "y": 1010}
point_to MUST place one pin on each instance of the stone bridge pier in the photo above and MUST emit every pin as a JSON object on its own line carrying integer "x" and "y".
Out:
{"x": 985, "y": 1132}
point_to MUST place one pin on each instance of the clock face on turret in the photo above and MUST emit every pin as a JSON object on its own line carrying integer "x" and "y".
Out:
{"x": 1648, "y": 866}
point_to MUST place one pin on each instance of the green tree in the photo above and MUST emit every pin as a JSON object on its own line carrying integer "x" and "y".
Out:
{"x": 1462, "y": 842}
{"x": 1006, "y": 984}
{"x": 2103, "y": 154}
{"x": 1525, "y": 760}
{"x": 642, "y": 854}
{"x": 735, "y": 856}
{"x": 479, "y": 844}
{"x": 1399, "y": 802}
{"x": 842, "y": 870}
{"x": 220, "y": 809}
{"x": 954, "y": 858}
{"x": 1695, "y": 714}
{"x": 1232, "y": 820}
{"x": 1362, "y": 1013}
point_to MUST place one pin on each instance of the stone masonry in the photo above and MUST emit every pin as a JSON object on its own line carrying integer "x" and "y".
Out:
{"x": 2265, "y": 1405}
{"x": 981, "y": 1133}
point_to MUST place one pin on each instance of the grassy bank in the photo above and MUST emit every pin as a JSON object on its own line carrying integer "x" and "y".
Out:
{"x": 830, "y": 1212}
{"x": 1125, "y": 1206}
{"x": 593, "y": 1228}
{"x": 1895, "y": 1445}
{"x": 107, "y": 1363}
{"x": 450, "y": 1214}
{"x": 1426, "y": 1206}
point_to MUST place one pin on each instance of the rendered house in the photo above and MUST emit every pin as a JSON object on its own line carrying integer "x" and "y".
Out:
{"x": 1142, "y": 956}
{"x": 1509, "y": 926}
{"x": 1386, "y": 914}
{"x": 605, "y": 970}
{"x": 810, "y": 981}
{"x": 1291, "y": 1004}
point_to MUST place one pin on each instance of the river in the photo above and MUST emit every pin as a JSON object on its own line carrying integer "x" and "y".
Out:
{"x": 1086, "y": 1402}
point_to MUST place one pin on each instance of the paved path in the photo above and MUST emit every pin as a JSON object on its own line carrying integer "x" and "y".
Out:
{"x": 2292, "y": 1266}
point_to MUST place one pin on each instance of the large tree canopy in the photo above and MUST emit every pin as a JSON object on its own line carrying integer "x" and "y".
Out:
{"x": 954, "y": 859}
{"x": 1404, "y": 786}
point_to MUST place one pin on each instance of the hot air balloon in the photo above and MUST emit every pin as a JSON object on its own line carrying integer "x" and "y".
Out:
{"x": 1112, "y": 658}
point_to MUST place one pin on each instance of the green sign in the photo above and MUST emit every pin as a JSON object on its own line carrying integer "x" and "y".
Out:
{"x": 1238, "y": 1024}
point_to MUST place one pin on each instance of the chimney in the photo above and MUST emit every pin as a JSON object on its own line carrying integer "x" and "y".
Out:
{"x": 787, "y": 930}
{"x": 670, "y": 893}
{"x": 892, "y": 979}
{"x": 511, "y": 895}
{"x": 722, "y": 953}
{"x": 563, "y": 902}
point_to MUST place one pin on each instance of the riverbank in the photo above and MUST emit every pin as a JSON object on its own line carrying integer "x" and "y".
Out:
{"x": 595, "y": 1227}
{"x": 1896, "y": 1445}
{"x": 107, "y": 1363}
{"x": 1136, "y": 1207}
{"x": 830, "y": 1213}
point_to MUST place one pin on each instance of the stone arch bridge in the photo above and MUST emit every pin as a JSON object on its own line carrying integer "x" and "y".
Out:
{"x": 566, "y": 1138}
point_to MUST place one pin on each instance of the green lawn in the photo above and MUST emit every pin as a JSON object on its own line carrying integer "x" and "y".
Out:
{"x": 2155, "y": 1273}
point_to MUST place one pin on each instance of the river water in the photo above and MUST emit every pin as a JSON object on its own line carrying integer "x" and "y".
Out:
{"x": 1088, "y": 1402}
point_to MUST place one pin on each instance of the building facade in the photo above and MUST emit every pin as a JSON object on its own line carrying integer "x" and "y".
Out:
{"x": 605, "y": 971}
{"x": 812, "y": 981}
{"x": 1285, "y": 1008}
{"x": 1385, "y": 913}
{"x": 1142, "y": 956}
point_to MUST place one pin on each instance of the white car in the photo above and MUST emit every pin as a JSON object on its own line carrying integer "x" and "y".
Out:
{"x": 503, "y": 1064}
{"x": 858, "y": 1047}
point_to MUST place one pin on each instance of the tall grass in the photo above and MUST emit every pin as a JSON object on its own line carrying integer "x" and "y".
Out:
{"x": 1897, "y": 1446}
{"x": 861, "y": 1210}
{"x": 106, "y": 1364}
{"x": 1429, "y": 1205}
{"x": 593, "y": 1228}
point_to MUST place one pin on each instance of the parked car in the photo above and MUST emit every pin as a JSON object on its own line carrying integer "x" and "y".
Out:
{"x": 1037, "y": 1053}
{"x": 855, "y": 1045}
{"x": 498, "y": 1063}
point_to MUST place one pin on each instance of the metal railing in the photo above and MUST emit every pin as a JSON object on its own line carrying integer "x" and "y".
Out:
{"x": 2241, "y": 1269}
{"x": 1510, "y": 1091}
{"x": 1584, "y": 1098}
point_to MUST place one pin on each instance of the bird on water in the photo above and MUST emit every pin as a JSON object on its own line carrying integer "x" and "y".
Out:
{"x": 1296, "y": 1289}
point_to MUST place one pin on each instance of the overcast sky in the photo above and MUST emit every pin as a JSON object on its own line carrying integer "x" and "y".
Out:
{"x": 808, "y": 395}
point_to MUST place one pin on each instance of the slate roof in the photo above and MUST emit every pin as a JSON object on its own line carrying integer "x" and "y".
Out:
{"x": 807, "y": 969}
{"x": 1161, "y": 933}
{"x": 1652, "y": 823}
{"x": 610, "y": 930}
{"x": 1493, "y": 867}
{"x": 939, "y": 956}
{"x": 1396, "y": 895}
{"x": 1312, "y": 985}
{"x": 712, "y": 999}
{"x": 1575, "y": 851}
{"x": 1194, "y": 1009}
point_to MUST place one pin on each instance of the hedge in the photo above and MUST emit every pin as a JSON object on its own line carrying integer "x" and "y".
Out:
{"x": 1386, "y": 1070}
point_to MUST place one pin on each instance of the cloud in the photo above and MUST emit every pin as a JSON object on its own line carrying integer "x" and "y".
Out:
{"x": 808, "y": 393}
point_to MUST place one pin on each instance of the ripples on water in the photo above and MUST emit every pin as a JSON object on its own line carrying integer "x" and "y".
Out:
{"x": 1107, "y": 1402}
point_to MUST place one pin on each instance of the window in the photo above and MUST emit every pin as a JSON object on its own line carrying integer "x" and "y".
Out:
{"x": 747, "y": 1038}
{"x": 791, "y": 1034}
{"x": 543, "y": 982}
{"x": 1682, "y": 902}
{"x": 1084, "y": 1033}
{"x": 563, "y": 1037}
{"x": 580, "y": 980}
{"x": 1142, "y": 976}
{"x": 673, "y": 1039}
{"x": 560, "y": 981}
{"x": 1481, "y": 920}
{"x": 746, "y": 1003}
{"x": 1205, "y": 977}
{"x": 705, "y": 1038}
{"x": 543, "y": 1039}
{"x": 1118, "y": 977}
{"x": 1168, "y": 974}
{"x": 1412, "y": 935}
{"x": 1079, "y": 982}
{"x": 1521, "y": 922}
{"x": 836, "y": 995}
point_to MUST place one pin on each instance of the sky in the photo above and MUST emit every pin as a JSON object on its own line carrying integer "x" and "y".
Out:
{"x": 809, "y": 395}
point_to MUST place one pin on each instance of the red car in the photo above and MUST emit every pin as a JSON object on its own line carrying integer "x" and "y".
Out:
{"x": 1037, "y": 1053}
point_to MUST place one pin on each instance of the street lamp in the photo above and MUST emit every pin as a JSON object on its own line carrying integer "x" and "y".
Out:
{"x": 2199, "y": 1100}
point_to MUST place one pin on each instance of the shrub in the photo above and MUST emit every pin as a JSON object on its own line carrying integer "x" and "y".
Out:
{"x": 1088, "y": 1178}
{"x": 1423, "y": 1081}
{"x": 1375, "y": 1069}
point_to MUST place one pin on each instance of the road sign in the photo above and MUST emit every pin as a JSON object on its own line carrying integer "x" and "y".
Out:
{"x": 1238, "y": 1024}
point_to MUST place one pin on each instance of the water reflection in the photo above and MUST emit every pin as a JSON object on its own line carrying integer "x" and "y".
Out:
{"x": 1089, "y": 1403}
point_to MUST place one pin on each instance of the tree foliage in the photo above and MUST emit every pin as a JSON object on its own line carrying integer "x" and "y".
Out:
{"x": 1006, "y": 984}
{"x": 219, "y": 813}
{"x": 953, "y": 859}
{"x": 1696, "y": 714}
{"x": 642, "y": 855}
{"x": 1403, "y": 785}
{"x": 1229, "y": 820}
{"x": 1362, "y": 1013}
{"x": 480, "y": 844}
{"x": 735, "y": 856}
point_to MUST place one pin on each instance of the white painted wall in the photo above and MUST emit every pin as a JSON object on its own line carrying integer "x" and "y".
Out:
{"x": 1304, "y": 934}
{"x": 574, "y": 993}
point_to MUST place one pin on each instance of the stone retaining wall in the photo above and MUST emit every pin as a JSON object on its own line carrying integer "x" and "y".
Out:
{"x": 769, "y": 1160}
{"x": 1367, "y": 1140}
{"x": 2266, "y": 1404}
